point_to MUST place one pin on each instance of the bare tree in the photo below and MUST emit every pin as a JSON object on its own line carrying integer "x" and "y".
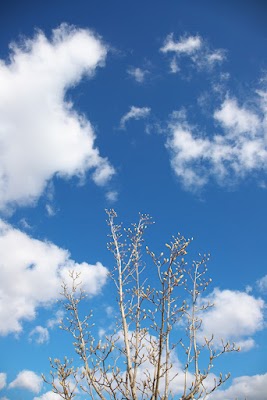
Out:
{"x": 138, "y": 359}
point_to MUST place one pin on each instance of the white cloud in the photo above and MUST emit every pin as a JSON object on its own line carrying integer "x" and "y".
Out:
{"x": 186, "y": 45}
{"x": 39, "y": 334}
{"x": 134, "y": 113}
{"x": 147, "y": 367}
{"x": 248, "y": 289}
{"x": 244, "y": 387}
{"x": 93, "y": 277}
{"x": 27, "y": 380}
{"x": 237, "y": 120}
{"x": 174, "y": 67}
{"x": 138, "y": 74}
{"x": 186, "y": 151}
{"x": 193, "y": 47}
{"x": 101, "y": 333}
{"x": 216, "y": 56}
{"x": 262, "y": 284}
{"x": 3, "y": 377}
{"x": 56, "y": 320}
{"x": 31, "y": 274}
{"x": 208, "y": 59}
{"x": 48, "y": 396}
{"x": 25, "y": 224}
{"x": 103, "y": 172}
{"x": 239, "y": 151}
{"x": 236, "y": 316}
{"x": 50, "y": 210}
{"x": 41, "y": 134}
{"x": 112, "y": 196}
{"x": 110, "y": 311}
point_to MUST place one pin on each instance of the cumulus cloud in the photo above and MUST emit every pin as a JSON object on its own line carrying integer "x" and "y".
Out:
{"x": 48, "y": 396}
{"x": 41, "y": 134}
{"x": 147, "y": 346}
{"x": 39, "y": 334}
{"x": 235, "y": 316}
{"x": 2, "y": 380}
{"x": 31, "y": 273}
{"x": 28, "y": 380}
{"x": 193, "y": 47}
{"x": 138, "y": 74}
{"x": 243, "y": 387}
{"x": 134, "y": 113}
{"x": 240, "y": 150}
{"x": 237, "y": 120}
{"x": 147, "y": 367}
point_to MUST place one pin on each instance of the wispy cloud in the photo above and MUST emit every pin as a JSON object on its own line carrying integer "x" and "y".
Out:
{"x": 134, "y": 113}
{"x": 216, "y": 56}
{"x": 25, "y": 224}
{"x": 50, "y": 194}
{"x": 262, "y": 284}
{"x": 43, "y": 135}
{"x": 3, "y": 378}
{"x": 56, "y": 320}
{"x": 174, "y": 67}
{"x": 138, "y": 74}
{"x": 50, "y": 210}
{"x": 186, "y": 45}
{"x": 194, "y": 47}
{"x": 39, "y": 335}
{"x": 112, "y": 196}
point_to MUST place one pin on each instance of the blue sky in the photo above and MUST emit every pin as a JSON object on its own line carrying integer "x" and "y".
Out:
{"x": 155, "y": 107}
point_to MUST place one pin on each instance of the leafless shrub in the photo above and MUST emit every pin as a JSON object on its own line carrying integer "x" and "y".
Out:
{"x": 138, "y": 360}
